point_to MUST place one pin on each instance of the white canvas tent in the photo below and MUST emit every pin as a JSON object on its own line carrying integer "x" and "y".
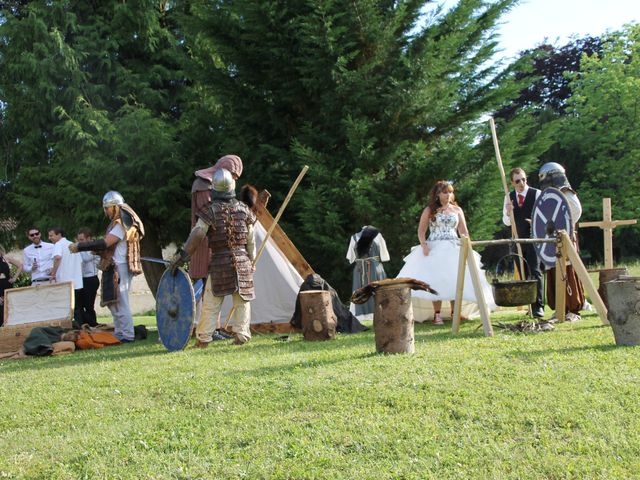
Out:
{"x": 279, "y": 273}
{"x": 276, "y": 283}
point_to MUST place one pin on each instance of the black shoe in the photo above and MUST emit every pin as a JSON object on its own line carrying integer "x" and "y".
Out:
{"x": 224, "y": 334}
{"x": 217, "y": 336}
{"x": 538, "y": 313}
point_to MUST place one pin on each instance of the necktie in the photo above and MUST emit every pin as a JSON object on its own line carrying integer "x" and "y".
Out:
{"x": 520, "y": 200}
{"x": 37, "y": 246}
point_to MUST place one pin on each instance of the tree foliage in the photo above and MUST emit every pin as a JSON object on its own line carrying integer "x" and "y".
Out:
{"x": 603, "y": 131}
{"x": 378, "y": 104}
{"x": 380, "y": 99}
{"x": 93, "y": 94}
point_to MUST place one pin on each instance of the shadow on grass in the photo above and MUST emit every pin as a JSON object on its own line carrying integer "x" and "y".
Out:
{"x": 82, "y": 358}
{"x": 423, "y": 333}
{"x": 559, "y": 351}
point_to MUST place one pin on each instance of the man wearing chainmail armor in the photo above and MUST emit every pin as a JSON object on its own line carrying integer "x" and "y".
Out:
{"x": 227, "y": 223}
{"x": 119, "y": 254}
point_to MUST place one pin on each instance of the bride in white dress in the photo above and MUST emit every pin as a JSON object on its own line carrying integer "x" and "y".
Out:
{"x": 435, "y": 260}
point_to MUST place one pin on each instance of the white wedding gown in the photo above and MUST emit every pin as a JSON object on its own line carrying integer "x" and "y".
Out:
{"x": 439, "y": 269}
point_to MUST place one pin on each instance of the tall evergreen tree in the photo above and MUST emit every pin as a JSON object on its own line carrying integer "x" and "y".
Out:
{"x": 92, "y": 96}
{"x": 379, "y": 102}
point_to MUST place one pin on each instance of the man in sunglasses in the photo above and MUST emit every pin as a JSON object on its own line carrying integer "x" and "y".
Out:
{"x": 37, "y": 258}
{"x": 520, "y": 201}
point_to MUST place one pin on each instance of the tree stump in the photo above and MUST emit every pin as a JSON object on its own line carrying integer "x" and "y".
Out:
{"x": 607, "y": 275}
{"x": 624, "y": 309}
{"x": 393, "y": 319}
{"x": 318, "y": 320}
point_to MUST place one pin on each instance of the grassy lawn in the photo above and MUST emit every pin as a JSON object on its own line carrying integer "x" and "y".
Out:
{"x": 562, "y": 404}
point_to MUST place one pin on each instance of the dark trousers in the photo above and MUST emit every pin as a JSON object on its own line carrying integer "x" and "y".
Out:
{"x": 533, "y": 272}
{"x": 88, "y": 300}
{"x": 77, "y": 308}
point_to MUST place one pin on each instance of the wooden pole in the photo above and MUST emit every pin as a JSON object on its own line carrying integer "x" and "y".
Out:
{"x": 607, "y": 225}
{"x": 514, "y": 231}
{"x": 457, "y": 306}
{"x": 584, "y": 277}
{"x": 280, "y": 212}
{"x": 477, "y": 287}
{"x": 273, "y": 226}
{"x": 561, "y": 279}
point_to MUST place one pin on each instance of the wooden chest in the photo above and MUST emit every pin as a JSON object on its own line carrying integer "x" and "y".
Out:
{"x": 48, "y": 305}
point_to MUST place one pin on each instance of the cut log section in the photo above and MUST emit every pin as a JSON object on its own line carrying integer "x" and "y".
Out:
{"x": 393, "y": 320}
{"x": 318, "y": 320}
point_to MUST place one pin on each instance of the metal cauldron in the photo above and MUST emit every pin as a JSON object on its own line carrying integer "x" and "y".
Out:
{"x": 513, "y": 293}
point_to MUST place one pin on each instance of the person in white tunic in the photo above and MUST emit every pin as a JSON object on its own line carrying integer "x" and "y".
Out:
{"x": 435, "y": 260}
{"x": 67, "y": 267}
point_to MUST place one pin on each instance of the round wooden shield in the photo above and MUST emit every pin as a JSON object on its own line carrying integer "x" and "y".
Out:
{"x": 550, "y": 214}
{"x": 175, "y": 309}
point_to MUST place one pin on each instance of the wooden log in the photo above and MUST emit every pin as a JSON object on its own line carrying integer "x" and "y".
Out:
{"x": 607, "y": 275}
{"x": 624, "y": 309}
{"x": 318, "y": 320}
{"x": 393, "y": 320}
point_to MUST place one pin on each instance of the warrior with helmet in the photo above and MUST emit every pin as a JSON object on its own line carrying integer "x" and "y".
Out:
{"x": 200, "y": 198}
{"x": 227, "y": 224}
{"x": 553, "y": 174}
{"x": 119, "y": 251}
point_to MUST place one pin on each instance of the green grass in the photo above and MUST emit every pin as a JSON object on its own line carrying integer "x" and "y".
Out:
{"x": 562, "y": 404}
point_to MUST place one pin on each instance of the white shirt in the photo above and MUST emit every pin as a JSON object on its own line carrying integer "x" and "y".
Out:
{"x": 70, "y": 267}
{"x": 120, "y": 255}
{"x": 575, "y": 207}
{"x": 89, "y": 264}
{"x": 43, "y": 254}
{"x": 507, "y": 200}
{"x": 379, "y": 240}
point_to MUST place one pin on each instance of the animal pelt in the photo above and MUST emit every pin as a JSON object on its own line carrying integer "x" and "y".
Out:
{"x": 361, "y": 295}
{"x": 249, "y": 195}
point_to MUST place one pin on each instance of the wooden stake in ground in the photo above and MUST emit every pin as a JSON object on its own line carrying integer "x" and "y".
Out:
{"x": 607, "y": 225}
{"x": 570, "y": 251}
{"x": 272, "y": 227}
{"x": 466, "y": 254}
{"x": 514, "y": 232}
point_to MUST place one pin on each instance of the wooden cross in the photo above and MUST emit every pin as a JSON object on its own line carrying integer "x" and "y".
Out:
{"x": 607, "y": 225}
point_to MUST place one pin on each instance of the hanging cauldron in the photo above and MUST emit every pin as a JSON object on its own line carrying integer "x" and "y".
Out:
{"x": 513, "y": 293}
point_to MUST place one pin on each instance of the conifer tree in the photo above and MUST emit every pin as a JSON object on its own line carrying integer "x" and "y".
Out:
{"x": 92, "y": 96}
{"x": 377, "y": 98}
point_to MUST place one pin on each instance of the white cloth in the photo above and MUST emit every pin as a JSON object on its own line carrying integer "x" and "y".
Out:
{"x": 439, "y": 269}
{"x": 276, "y": 282}
{"x": 575, "y": 207}
{"x": 120, "y": 254}
{"x": 378, "y": 240}
{"x": 507, "y": 200}
{"x": 44, "y": 258}
{"x": 70, "y": 267}
{"x": 89, "y": 264}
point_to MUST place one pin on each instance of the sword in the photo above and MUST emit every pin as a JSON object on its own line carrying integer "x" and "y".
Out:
{"x": 197, "y": 286}
{"x": 155, "y": 260}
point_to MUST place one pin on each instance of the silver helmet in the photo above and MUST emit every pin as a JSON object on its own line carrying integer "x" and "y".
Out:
{"x": 111, "y": 199}
{"x": 552, "y": 174}
{"x": 223, "y": 181}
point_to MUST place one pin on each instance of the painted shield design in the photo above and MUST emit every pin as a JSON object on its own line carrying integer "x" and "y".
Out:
{"x": 550, "y": 214}
{"x": 175, "y": 309}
